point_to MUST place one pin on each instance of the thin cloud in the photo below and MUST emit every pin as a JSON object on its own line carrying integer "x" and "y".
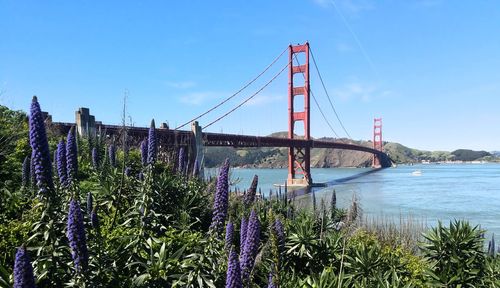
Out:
{"x": 428, "y": 3}
{"x": 343, "y": 47}
{"x": 350, "y": 6}
{"x": 197, "y": 98}
{"x": 360, "y": 92}
{"x": 322, "y": 3}
{"x": 181, "y": 84}
{"x": 265, "y": 99}
{"x": 356, "y": 7}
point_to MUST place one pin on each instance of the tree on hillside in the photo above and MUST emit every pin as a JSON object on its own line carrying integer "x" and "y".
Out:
{"x": 14, "y": 146}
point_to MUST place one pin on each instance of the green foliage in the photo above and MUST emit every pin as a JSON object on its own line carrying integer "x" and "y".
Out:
{"x": 491, "y": 277}
{"x": 12, "y": 235}
{"x": 216, "y": 155}
{"x": 369, "y": 263}
{"x": 303, "y": 245}
{"x": 456, "y": 253}
{"x": 14, "y": 147}
{"x": 327, "y": 278}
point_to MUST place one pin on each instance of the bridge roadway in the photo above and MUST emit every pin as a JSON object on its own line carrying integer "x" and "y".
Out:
{"x": 182, "y": 137}
{"x": 240, "y": 141}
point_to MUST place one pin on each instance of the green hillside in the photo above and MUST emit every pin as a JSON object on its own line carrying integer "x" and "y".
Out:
{"x": 469, "y": 155}
{"x": 325, "y": 158}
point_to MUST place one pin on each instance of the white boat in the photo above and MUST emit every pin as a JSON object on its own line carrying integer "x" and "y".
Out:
{"x": 416, "y": 173}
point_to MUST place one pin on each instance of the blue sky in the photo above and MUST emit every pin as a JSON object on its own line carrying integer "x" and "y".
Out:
{"x": 430, "y": 68}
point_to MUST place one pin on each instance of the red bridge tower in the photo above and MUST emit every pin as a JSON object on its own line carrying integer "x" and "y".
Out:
{"x": 377, "y": 141}
{"x": 299, "y": 158}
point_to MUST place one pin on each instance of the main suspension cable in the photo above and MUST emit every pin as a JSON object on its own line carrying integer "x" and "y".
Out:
{"x": 328, "y": 96}
{"x": 236, "y": 93}
{"x": 324, "y": 117}
{"x": 249, "y": 98}
{"x": 316, "y": 101}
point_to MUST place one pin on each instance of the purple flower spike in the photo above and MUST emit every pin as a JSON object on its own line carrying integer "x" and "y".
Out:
{"x": 271, "y": 281}
{"x": 26, "y": 172}
{"x": 229, "y": 235}
{"x": 152, "y": 143}
{"x": 243, "y": 232}
{"x": 249, "y": 196}
{"x": 90, "y": 203}
{"x": 95, "y": 158}
{"x": 61, "y": 163}
{"x": 112, "y": 155}
{"x": 71, "y": 156}
{"x": 144, "y": 152}
{"x": 221, "y": 199}
{"x": 279, "y": 231}
{"x": 32, "y": 171}
{"x": 94, "y": 220}
{"x": 181, "y": 164}
{"x": 128, "y": 171}
{"x": 76, "y": 236}
{"x": 251, "y": 246}
{"x": 54, "y": 162}
{"x": 491, "y": 246}
{"x": 23, "y": 271}
{"x": 196, "y": 167}
{"x": 140, "y": 176}
{"x": 40, "y": 149}
{"x": 233, "y": 276}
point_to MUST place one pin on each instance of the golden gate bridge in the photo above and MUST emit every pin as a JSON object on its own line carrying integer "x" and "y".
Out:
{"x": 299, "y": 145}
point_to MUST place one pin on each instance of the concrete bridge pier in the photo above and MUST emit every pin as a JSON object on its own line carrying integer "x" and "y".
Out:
{"x": 85, "y": 123}
{"x": 199, "y": 151}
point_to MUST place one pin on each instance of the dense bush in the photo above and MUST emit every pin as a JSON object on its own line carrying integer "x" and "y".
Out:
{"x": 456, "y": 254}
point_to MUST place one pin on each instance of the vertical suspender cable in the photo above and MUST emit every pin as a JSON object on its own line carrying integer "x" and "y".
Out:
{"x": 317, "y": 104}
{"x": 328, "y": 96}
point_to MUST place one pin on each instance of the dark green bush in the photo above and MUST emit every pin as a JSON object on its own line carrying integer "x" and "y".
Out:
{"x": 456, "y": 254}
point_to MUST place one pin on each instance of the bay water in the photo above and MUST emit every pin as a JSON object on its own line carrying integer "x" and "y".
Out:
{"x": 426, "y": 192}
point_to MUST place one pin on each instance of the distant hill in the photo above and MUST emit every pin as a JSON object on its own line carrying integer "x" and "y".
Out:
{"x": 325, "y": 158}
{"x": 403, "y": 154}
{"x": 469, "y": 155}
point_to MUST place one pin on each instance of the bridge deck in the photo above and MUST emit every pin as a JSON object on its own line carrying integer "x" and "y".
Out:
{"x": 228, "y": 140}
{"x": 241, "y": 141}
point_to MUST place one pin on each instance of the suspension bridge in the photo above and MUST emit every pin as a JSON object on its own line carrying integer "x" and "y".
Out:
{"x": 299, "y": 143}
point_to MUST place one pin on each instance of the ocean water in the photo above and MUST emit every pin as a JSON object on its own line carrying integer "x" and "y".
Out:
{"x": 441, "y": 192}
